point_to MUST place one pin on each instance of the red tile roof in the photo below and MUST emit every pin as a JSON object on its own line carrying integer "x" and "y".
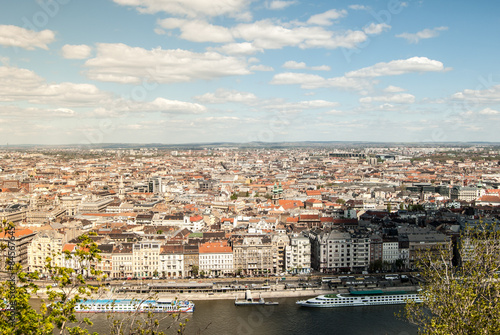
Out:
{"x": 215, "y": 247}
{"x": 18, "y": 233}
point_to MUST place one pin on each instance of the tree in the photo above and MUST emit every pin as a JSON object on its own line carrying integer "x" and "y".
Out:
{"x": 57, "y": 312}
{"x": 67, "y": 287}
{"x": 400, "y": 263}
{"x": 375, "y": 266}
{"x": 234, "y": 196}
{"x": 461, "y": 290}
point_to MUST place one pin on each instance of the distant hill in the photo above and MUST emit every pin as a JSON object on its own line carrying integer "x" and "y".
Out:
{"x": 270, "y": 145}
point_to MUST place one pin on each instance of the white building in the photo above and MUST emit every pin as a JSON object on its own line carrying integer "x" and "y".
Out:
{"x": 390, "y": 250}
{"x": 121, "y": 259}
{"x": 216, "y": 259}
{"x": 194, "y": 223}
{"x": 298, "y": 255}
{"x": 45, "y": 244}
{"x": 145, "y": 258}
{"x": 172, "y": 261}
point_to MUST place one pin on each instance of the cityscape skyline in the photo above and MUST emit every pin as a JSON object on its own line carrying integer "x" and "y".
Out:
{"x": 169, "y": 71}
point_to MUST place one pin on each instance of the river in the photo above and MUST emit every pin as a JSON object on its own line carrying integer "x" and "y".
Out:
{"x": 223, "y": 317}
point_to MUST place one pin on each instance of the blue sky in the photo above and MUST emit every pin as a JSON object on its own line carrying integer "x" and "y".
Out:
{"x": 183, "y": 71}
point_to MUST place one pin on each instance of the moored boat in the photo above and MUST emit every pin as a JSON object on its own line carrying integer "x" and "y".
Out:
{"x": 134, "y": 305}
{"x": 249, "y": 300}
{"x": 361, "y": 298}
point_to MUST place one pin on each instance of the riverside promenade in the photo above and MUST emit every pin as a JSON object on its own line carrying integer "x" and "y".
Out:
{"x": 290, "y": 293}
{"x": 269, "y": 292}
{"x": 229, "y": 289}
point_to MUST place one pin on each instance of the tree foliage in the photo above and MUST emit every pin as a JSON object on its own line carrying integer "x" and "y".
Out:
{"x": 460, "y": 285}
{"x": 67, "y": 286}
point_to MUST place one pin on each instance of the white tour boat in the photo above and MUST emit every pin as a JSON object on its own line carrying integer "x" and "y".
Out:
{"x": 361, "y": 298}
{"x": 134, "y": 305}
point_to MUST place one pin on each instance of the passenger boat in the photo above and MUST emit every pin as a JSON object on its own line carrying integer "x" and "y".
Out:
{"x": 249, "y": 300}
{"x": 134, "y": 305}
{"x": 361, "y": 298}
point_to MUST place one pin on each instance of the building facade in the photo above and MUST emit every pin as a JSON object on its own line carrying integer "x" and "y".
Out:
{"x": 298, "y": 255}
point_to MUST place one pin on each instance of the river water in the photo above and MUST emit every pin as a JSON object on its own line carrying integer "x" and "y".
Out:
{"x": 223, "y": 317}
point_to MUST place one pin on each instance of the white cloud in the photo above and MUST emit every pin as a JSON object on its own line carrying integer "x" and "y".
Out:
{"x": 265, "y": 34}
{"x": 14, "y": 36}
{"x": 236, "y": 49}
{"x": 334, "y": 112}
{"x": 18, "y": 84}
{"x": 321, "y": 68}
{"x": 294, "y": 65}
{"x": 17, "y": 112}
{"x": 423, "y": 34}
{"x": 398, "y": 67}
{"x": 279, "y": 4}
{"x": 191, "y": 8}
{"x": 327, "y": 18}
{"x": 486, "y": 96}
{"x": 306, "y": 80}
{"x": 312, "y": 81}
{"x": 198, "y": 30}
{"x": 301, "y": 65}
{"x": 119, "y": 63}
{"x": 313, "y": 104}
{"x": 223, "y": 96}
{"x": 21, "y": 85}
{"x": 402, "y": 98}
{"x": 261, "y": 67}
{"x": 489, "y": 111}
{"x": 376, "y": 28}
{"x": 359, "y": 80}
{"x": 159, "y": 105}
{"x": 358, "y": 7}
{"x": 81, "y": 51}
{"x": 388, "y": 107}
{"x": 393, "y": 89}
{"x": 331, "y": 40}
{"x": 297, "y": 107}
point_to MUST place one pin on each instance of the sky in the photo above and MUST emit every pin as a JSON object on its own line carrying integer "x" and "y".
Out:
{"x": 191, "y": 71}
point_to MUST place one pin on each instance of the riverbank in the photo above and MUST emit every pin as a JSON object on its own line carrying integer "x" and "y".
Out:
{"x": 271, "y": 294}
{"x": 231, "y": 296}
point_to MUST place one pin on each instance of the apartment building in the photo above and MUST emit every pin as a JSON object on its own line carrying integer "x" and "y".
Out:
{"x": 21, "y": 243}
{"x": 172, "y": 261}
{"x": 298, "y": 255}
{"x": 145, "y": 258}
{"x": 46, "y": 243}
{"x": 216, "y": 258}
{"x": 122, "y": 261}
{"x": 255, "y": 255}
{"x": 340, "y": 251}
